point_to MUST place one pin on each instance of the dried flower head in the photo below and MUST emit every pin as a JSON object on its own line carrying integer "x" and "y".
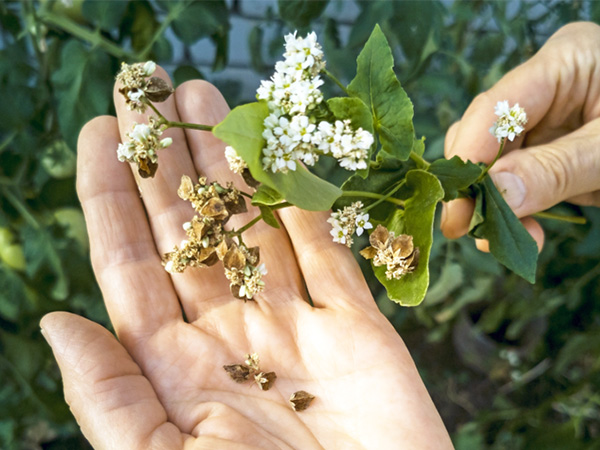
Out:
{"x": 347, "y": 221}
{"x": 207, "y": 242}
{"x": 511, "y": 121}
{"x": 238, "y": 372}
{"x": 241, "y": 373}
{"x": 137, "y": 85}
{"x": 143, "y": 145}
{"x": 301, "y": 400}
{"x": 397, "y": 253}
{"x": 242, "y": 269}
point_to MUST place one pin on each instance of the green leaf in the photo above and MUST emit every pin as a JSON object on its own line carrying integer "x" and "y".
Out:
{"x": 265, "y": 195}
{"x": 198, "y": 19}
{"x": 510, "y": 242}
{"x": 417, "y": 221}
{"x": 376, "y": 85}
{"x": 242, "y": 129}
{"x": 300, "y": 13}
{"x": 359, "y": 114}
{"x": 106, "y": 15}
{"x": 81, "y": 86}
{"x": 455, "y": 175}
{"x": 385, "y": 174}
{"x": 255, "y": 46}
{"x": 268, "y": 216}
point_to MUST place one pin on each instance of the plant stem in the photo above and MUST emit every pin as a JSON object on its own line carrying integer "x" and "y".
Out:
{"x": 94, "y": 38}
{"x": 385, "y": 196}
{"x": 486, "y": 170}
{"x": 419, "y": 160}
{"x": 259, "y": 217}
{"x": 333, "y": 78}
{"x": 21, "y": 207}
{"x": 173, "y": 14}
{"x": 157, "y": 112}
{"x": 374, "y": 195}
{"x": 571, "y": 219}
{"x": 192, "y": 126}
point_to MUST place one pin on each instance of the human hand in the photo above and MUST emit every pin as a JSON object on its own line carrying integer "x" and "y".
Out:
{"x": 162, "y": 385}
{"x": 558, "y": 156}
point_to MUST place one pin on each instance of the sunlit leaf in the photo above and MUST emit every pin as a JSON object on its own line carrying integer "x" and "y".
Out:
{"x": 376, "y": 85}
{"x": 242, "y": 129}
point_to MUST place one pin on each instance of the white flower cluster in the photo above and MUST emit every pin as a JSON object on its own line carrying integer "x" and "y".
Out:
{"x": 344, "y": 223}
{"x": 248, "y": 280}
{"x": 143, "y": 143}
{"x": 291, "y": 134}
{"x": 511, "y": 121}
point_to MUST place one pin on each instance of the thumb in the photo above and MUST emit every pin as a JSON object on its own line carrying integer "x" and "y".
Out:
{"x": 536, "y": 178}
{"x": 114, "y": 404}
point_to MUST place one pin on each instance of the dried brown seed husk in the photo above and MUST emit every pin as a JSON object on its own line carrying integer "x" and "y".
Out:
{"x": 237, "y": 206}
{"x": 208, "y": 256}
{"x": 301, "y": 400}
{"x": 234, "y": 259}
{"x": 368, "y": 252}
{"x": 238, "y": 372}
{"x": 222, "y": 249}
{"x": 265, "y": 380}
{"x": 253, "y": 255}
{"x": 147, "y": 168}
{"x": 404, "y": 245}
{"x": 199, "y": 228}
{"x": 186, "y": 188}
{"x": 214, "y": 208}
{"x": 158, "y": 90}
{"x": 249, "y": 179}
{"x": 415, "y": 259}
{"x": 379, "y": 237}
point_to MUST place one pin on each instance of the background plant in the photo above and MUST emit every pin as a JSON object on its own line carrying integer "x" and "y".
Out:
{"x": 510, "y": 365}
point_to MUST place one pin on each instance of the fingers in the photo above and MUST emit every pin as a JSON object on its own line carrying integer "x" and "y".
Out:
{"x": 332, "y": 275}
{"x": 201, "y": 102}
{"x": 539, "y": 177}
{"x": 114, "y": 404}
{"x": 138, "y": 293}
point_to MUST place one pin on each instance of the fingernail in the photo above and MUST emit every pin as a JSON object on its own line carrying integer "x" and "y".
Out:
{"x": 511, "y": 187}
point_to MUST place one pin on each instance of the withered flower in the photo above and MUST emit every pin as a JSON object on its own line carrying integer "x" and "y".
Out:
{"x": 137, "y": 85}
{"x": 397, "y": 253}
{"x": 265, "y": 380}
{"x": 238, "y": 372}
{"x": 301, "y": 400}
{"x": 208, "y": 241}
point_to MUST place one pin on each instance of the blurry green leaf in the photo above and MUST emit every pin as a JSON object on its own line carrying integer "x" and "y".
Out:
{"x": 22, "y": 353}
{"x": 455, "y": 175}
{"x": 186, "y": 73}
{"x": 198, "y": 19}
{"x": 83, "y": 85}
{"x": 265, "y": 195}
{"x": 42, "y": 257}
{"x": 140, "y": 24}
{"x": 372, "y": 13}
{"x": 242, "y": 129}
{"x": 468, "y": 437}
{"x": 354, "y": 109}
{"x": 13, "y": 294}
{"x": 300, "y": 13}
{"x": 255, "y": 46}
{"x": 376, "y": 85}
{"x": 509, "y": 241}
{"x": 268, "y": 216}
{"x": 106, "y": 15}
{"x": 449, "y": 280}
{"x": 578, "y": 346}
{"x": 416, "y": 220}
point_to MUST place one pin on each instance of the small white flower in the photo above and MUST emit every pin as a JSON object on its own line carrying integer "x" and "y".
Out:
{"x": 166, "y": 142}
{"x": 511, "y": 121}
{"x": 149, "y": 68}
{"x": 362, "y": 223}
{"x": 236, "y": 163}
{"x": 141, "y": 132}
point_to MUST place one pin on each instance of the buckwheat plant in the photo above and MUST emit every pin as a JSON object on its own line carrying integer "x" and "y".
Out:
{"x": 390, "y": 191}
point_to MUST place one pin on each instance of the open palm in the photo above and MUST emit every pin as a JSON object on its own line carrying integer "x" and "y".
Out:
{"x": 163, "y": 385}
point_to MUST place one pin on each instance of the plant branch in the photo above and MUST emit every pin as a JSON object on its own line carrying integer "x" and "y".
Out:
{"x": 374, "y": 195}
{"x": 419, "y": 160}
{"x": 191, "y": 126}
{"x": 259, "y": 218}
{"x": 333, "y": 78}
{"x": 486, "y": 170}
{"x": 571, "y": 219}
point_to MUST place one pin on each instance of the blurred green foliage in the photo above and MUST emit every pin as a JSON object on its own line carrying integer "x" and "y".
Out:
{"x": 509, "y": 365}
